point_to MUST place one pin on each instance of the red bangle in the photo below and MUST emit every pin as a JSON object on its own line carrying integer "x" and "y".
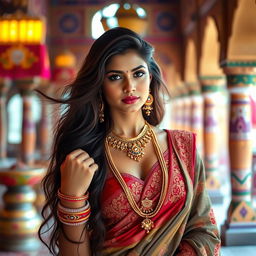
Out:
{"x": 72, "y": 198}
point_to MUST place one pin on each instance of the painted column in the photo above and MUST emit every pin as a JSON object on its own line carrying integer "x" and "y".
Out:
{"x": 253, "y": 106}
{"x": 211, "y": 87}
{"x": 179, "y": 110}
{"x": 187, "y": 104}
{"x": 28, "y": 143}
{"x": 45, "y": 130}
{"x": 197, "y": 116}
{"x": 240, "y": 78}
{"x": 4, "y": 87}
{"x": 186, "y": 108}
{"x": 241, "y": 218}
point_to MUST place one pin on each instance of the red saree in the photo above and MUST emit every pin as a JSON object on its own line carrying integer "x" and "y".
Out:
{"x": 124, "y": 233}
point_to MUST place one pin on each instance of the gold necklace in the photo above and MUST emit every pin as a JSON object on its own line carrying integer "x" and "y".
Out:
{"x": 134, "y": 147}
{"x": 147, "y": 223}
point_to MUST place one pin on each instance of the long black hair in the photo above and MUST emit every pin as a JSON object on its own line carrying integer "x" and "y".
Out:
{"x": 79, "y": 127}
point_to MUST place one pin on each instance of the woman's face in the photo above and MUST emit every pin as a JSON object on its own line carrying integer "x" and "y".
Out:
{"x": 126, "y": 82}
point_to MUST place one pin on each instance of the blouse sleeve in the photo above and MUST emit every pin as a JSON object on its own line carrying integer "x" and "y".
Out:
{"x": 201, "y": 236}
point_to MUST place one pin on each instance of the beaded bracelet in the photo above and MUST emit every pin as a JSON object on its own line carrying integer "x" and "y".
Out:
{"x": 72, "y": 198}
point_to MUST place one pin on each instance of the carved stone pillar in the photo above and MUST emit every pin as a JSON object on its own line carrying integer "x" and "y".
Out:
{"x": 211, "y": 87}
{"x": 240, "y": 226}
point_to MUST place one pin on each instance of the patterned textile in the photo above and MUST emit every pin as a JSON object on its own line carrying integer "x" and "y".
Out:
{"x": 185, "y": 225}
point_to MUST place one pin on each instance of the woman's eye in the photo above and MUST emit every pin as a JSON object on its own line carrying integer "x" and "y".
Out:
{"x": 139, "y": 74}
{"x": 114, "y": 77}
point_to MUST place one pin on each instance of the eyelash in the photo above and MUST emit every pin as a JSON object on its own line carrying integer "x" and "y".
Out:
{"x": 116, "y": 77}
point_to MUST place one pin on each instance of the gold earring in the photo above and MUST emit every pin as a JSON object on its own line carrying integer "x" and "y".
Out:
{"x": 147, "y": 106}
{"x": 101, "y": 112}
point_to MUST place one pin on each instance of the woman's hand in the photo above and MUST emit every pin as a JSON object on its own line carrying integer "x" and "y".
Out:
{"x": 77, "y": 172}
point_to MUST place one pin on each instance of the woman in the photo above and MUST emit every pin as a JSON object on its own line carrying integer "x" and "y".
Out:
{"x": 117, "y": 184}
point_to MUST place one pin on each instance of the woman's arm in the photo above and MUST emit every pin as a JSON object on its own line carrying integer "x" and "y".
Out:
{"x": 76, "y": 175}
{"x": 74, "y": 233}
{"x": 201, "y": 236}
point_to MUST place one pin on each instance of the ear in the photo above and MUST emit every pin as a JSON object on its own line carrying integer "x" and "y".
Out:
{"x": 150, "y": 76}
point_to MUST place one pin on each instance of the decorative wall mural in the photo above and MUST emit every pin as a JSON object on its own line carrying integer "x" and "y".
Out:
{"x": 166, "y": 21}
{"x": 69, "y": 23}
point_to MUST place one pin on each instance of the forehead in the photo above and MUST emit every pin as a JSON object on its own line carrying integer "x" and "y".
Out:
{"x": 124, "y": 61}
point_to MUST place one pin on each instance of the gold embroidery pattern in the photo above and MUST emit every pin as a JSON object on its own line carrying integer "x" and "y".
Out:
{"x": 155, "y": 185}
{"x": 177, "y": 188}
{"x": 129, "y": 222}
{"x": 183, "y": 141}
{"x": 117, "y": 208}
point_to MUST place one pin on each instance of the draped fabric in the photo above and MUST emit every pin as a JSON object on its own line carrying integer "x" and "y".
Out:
{"x": 185, "y": 224}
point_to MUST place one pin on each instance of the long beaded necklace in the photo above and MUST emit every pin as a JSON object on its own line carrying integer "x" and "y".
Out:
{"x": 146, "y": 212}
{"x": 133, "y": 147}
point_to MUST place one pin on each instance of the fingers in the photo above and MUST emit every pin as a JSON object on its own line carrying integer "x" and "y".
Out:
{"x": 79, "y": 156}
{"x": 76, "y": 154}
{"x": 94, "y": 167}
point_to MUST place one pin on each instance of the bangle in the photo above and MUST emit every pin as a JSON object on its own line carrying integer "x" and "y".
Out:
{"x": 74, "y": 210}
{"x": 74, "y": 224}
{"x": 72, "y": 198}
{"x": 74, "y": 217}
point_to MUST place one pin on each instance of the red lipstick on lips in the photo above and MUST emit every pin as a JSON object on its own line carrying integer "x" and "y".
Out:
{"x": 130, "y": 99}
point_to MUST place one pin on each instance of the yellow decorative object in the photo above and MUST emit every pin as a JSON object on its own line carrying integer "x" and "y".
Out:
{"x": 65, "y": 60}
{"x": 18, "y": 56}
{"x": 128, "y": 18}
{"x": 20, "y": 28}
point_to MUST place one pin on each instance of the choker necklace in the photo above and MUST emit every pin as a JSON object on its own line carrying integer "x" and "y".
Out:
{"x": 145, "y": 211}
{"x": 133, "y": 147}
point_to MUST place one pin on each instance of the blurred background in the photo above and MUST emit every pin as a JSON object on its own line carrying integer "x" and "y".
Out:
{"x": 207, "y": 53}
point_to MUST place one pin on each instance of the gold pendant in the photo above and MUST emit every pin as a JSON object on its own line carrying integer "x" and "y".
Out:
{"x": 147, "y": 224}
{"x": 135, "y": 152}
{"x": 146, "y": 205}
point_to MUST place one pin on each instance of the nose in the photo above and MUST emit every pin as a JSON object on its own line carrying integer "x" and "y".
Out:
{"x": 129, "y": 85}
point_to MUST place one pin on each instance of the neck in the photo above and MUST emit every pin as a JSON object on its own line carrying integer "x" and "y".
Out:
{"x": 127, "y": 126}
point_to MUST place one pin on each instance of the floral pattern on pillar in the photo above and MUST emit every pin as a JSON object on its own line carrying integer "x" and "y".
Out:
{"x": 211, "y": 88}
{"x": 241, "y": 76}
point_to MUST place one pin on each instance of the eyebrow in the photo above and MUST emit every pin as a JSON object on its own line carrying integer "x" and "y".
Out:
{"x": 121, "y": 72}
